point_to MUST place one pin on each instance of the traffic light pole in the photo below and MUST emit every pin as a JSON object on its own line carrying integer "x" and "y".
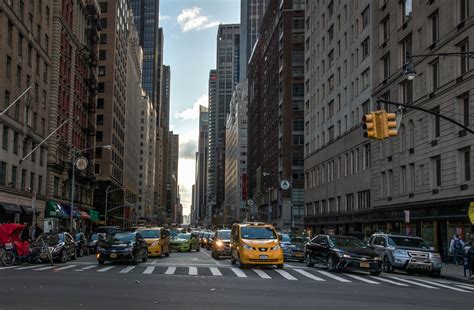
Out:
{"x": 427, "y": 111}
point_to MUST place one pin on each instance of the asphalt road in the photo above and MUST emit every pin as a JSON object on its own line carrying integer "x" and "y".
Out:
{"x": 196, "y": 281}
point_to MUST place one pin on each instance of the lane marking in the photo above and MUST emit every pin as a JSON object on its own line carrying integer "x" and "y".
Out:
{"x": 443, "y": 286}
{"x": 414, "y": 283}
{"x": 170, "y": 270}
{"x": 361, "y": 278}
{"x": 286, "y": 275}
{"x": 128, "y": 269}
{"x": 88, "y": 267}
{"x": 9, "y": 267}
{"x": 105, "y": 269}
{"x": 262, "y": 274}
{"x": 309, "y": 275}
{"x": 28, "y": 267}
{"x": 215, "y": 271}
{"x": 44, "y": 268}
{"x": 65, "y": 267}
{"x": 388, "y": 281}
{"x": 330, "y": 275}
{"x": 193, "y": 271}
{"x": 465, "y": 287}
{"x": 239, "y": 273}
{"x": 149, "y": 270}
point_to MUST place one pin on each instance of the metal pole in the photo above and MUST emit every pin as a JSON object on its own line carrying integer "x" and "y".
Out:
{"x": 106, "y": 202}
{"x": 19, "y": 97}
{"x": 33, "y": 206}
{"x": 73, "y": 183}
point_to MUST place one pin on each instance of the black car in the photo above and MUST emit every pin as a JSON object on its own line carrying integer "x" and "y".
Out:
{"x": 123, "y": 247}
{"x": 342, "y": 252}
{"x": 81, "y": 241}
{"x": 109, "y": 230}
{"x": 62, "y": 246}
{"x": 94, "y": 241}
{"x": 293, "y": 246}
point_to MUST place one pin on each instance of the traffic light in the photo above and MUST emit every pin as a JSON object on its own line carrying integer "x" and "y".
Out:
{"x": 390, "y": 125}
{"x": 370, "y": 127}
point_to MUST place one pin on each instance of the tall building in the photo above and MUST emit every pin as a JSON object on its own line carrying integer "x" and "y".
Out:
{"x": 251, "y": 14}
{"x": 172, "y": 193}
{"x": 276, "y": 119}
{"x": 26, "y": 61}
{"x": 236, "y": 185}
{"x": 337, "y": 156}
{"x": 227, "y": 64}
{"x": 200, "y": 185}
{"x": 111, "y": 107}
{"x": 163, "y": 136}
{"x": 146, "y": 18}
{"x": 211, "y": 164}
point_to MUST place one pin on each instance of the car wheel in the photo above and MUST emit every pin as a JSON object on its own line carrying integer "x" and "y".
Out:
{"x": 309, "y": 261}
{"x": 8, "y": 258}
{"x": 63, "y": 257}
{"x": 387, "y": 266}
{"x": 212, "y": 254}
{"x": 409, "y": 271}
{"x": 375, "y": 273}
{"x": 190, "y": 247}
{"x": 101, "y": 262}
{"x": 280, "y": 266}
{"x": 331, "y": 264}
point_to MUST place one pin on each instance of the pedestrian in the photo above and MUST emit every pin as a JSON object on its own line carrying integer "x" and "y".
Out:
{"x": 25, "y": 234}
{"x": 38, "y": 231}
{"x": 456, "y": 249}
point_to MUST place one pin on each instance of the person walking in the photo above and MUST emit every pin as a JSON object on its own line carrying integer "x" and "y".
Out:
{"x": 38, "y": 231}
{"x": 456, "y": 249}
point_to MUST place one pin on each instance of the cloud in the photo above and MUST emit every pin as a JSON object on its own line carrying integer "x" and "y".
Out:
{"x": 193, "y": 112}
{"x": 187, "y": 149}
{"x": 191, "y": 19}
{"x": 163, "y": 18}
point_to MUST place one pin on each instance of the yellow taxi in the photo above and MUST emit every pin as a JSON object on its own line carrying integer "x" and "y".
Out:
{"x": 158, "y": 240}
{"x": 255, "y": 244}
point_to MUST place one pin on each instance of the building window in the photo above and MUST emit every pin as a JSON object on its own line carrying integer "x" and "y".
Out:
{"x": 365, "y": 17}
{"x": 103, "y": 38}
{"x": 389, "y": 182}
{"x": 403, "y": 176}
{"x": 297, "y": 90}
{"x": 101, "y": 70}
{"x": 99, "y": 136}
{"x": 363, "y": 199}
{"x": 97, "y": 169}
{"x": 56, "y": 187}
{"x": 6, "y": 100}
{"x": 385, "y": 29}
{"x": 9, "y": 68}
{"x": 464, "y": 59}
{"x": 465, "y": 110}
{"x": 407, "y": 10}
{"x": 3, "y": 173}
{"x": 350, "y": 203}
{"x": 40, "y": 185}
{"x": 5, "y": 138}
{"x": 366, "y": 79}
{"x": 100, "y": 103}
{"x": 100, "y": 119}
{"x": 298, "y": 125}
{"x": 465, "y": 164}
{"x": 103, "y": 7}
{"x": 102, "y": 54}
{"x": 23, "y": 179}
{"x": 14, "y": 177}
{"x": 407, "y": 91}
{"x": 463, "y": 9}
{"x": 435, "y": 75}
{"x": 100, "y": 87}
{"x": 297, "y": 159}
{"x": 436, "y": 171}
{"x": 436, "y": 126}
{"x": 32, "y": 181}
{"x": 103, "y": 23}
{"x": 10, "y": 33}
{"x": 366, "y": 48}
{"x": 434, "y": 23}
{"x": 367, "y": 157}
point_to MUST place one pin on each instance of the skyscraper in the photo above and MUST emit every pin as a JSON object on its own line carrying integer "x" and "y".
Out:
{"x": 200, "y": 189}
{"x": 211, "y": 165}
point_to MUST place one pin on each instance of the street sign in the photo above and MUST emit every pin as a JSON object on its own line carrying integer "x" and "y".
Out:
{"x": 284, "y": 184}
{"x": 471, "y": 212}
{"x": 81, "y": 163}
{"x": 250, "y": 203}
{"x": 407, "y": 216}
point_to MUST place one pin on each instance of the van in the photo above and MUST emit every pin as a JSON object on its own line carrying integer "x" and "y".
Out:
{"x": 255, "y": 244}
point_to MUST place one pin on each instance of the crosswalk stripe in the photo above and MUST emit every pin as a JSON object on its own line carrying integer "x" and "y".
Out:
{"x": 388, "y": 281}
{"x": 414, "y": 283}
{"x": 149, "y": 270}
{"x": 9, "y": 267}
{"x": 239, "y": 273}
{"x": 465, "y": 287}
{"x": 170, "y": 270}
{"x": 309, "y": 275}
{"x": 88, "y": 267}
{"x": 444, "y": 286}
{"x": 105, "y": 269}
{"x": 286, "y": 275}
{"x": 28, "y": 267}
{"x": 262, "y": 274}
{"x": 330, "y": 275}
{"x": 128, "y": 269}
{"x": 193, "y": 271}
{"x": 215, "y": 271}
{"x": 361, "y": 279}
{"x": 65, "y": 267}
{"x": 44, "y": 268}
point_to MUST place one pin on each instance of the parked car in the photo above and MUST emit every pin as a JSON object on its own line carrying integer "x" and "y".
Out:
{"x": 94, "y": 240}
{"x": 82, "y": 244}
{"x": 123, "y": 247}
{"x": 342, "y": 252}
{"x": 406, "y": 253}
{"x": 61, "y": 246}
{"x": 158, "y": 240}
{"x": 185, "y": 242}
{"x": 220, "y": 245}
{"x": 293, "y": 246}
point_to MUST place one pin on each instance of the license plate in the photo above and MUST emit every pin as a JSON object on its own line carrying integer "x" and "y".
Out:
{"x": 364, "y": 264}
{"x": 263, "y": 256}
{"x": 113, "y": 255}
{"x": 299, "y": 254}
{"x": 8, "y": 246}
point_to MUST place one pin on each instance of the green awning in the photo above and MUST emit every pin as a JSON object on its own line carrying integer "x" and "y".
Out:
{"x": 94, "y": 216}
{"x": 54, "y": 209}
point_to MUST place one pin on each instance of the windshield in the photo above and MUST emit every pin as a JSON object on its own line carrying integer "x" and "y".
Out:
{"x": 173, "y": 233}
{"x": 348, "y": 242}
{"x": 122, "y": 238}
{"x": 53, "y": 239}
{"x": 408, "y": 242}
{"x": 150, "y": 233}
{"x": 94, "y": 237}
{"x": 184, "y": 236}
{"x": 286, "y": 238}
{"x": 223, "y": 234}
{"x": 258, "y": 233}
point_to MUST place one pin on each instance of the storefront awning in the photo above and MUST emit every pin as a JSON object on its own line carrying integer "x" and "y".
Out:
{"x": 54, "y": 209}
{"x": 84, "y": 215}
{"x": 94, "y": 216}
{"x": 75, "y": 214}
{"x": 9, "y": 208}
{"x": 28, "y": 210}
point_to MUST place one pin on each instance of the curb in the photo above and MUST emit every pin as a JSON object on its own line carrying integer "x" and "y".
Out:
{"x": 458, "y": 279}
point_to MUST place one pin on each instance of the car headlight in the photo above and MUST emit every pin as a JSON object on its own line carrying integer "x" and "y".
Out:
{"x": 435, "y": 255}
{"x": 219, "y": 243}
{"x": 341, "y": 254}
{"x": 401, "y": 253}
{"x": 276, "y": 247}
{"x": 247, "y": 247}
{"x": 378, "y": 258}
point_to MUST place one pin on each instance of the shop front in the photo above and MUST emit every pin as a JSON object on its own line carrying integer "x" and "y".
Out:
{"x": 56, "y": 218}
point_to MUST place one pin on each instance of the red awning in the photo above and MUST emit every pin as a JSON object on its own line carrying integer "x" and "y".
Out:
{"x": 84, "y": 215}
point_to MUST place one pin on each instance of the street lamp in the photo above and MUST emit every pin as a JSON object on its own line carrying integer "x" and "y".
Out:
{"x": 107, "y": 191}
{"x": 409, "y": 67}
{"x": 82, "y": 164}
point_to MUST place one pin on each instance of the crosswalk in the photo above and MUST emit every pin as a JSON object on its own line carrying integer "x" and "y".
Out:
{"x": 289, "y": 274}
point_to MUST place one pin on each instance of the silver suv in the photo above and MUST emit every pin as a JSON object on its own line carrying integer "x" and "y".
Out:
{"x": 407, "y": 253}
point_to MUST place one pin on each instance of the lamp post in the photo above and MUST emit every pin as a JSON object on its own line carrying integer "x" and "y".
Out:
{"x": 107, "y": 192}
{"x": 73, "y": 181}
{"x": 409, "y": 67}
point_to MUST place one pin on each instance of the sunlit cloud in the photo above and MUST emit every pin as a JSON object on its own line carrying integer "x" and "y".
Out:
{"x": 193, "y": 112}
{"x": 192, "y": 19}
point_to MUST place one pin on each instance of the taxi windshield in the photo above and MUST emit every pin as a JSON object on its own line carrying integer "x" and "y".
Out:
{"x": 150, "y": 233}
{"x": 183, "y": 236}
{"x": 258, "y": 233}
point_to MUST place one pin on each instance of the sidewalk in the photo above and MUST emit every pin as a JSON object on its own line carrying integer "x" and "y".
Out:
{"x": 455, "y": 273}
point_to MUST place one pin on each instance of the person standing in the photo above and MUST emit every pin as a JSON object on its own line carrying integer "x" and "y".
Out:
{"x": 25, "y": 234}
{"x": 38, "y": 231}
{"x": 456, "y": 249}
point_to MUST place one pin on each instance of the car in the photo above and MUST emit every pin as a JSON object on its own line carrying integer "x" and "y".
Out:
{"x": 220, "y": 245}
{"x": 109, "y": 230}
{"x": 158, "y": 240}
{"x": 123, "y": 247}
{"x": 204, "y": 239}
{"x": 341, "y": 253}
{"x": 293, "y": 246}
{"x": 209, "y": 239}
{"x": 185, "y": 242}
{"x": 94, "y": 240}
{"x": 405, "y": 253}
{"x": 82, "y": 244}
{"x": 61, "y": 246}
{"x": 255, "y": 244}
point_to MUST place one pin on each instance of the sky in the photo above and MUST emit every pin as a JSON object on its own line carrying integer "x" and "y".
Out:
{"x": 190, "y": 36}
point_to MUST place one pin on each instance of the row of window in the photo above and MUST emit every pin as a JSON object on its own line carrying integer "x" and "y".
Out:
{"x": 9, "y": 178}
{"x": 350, "y": 202}
{"x": 11, "y": 142}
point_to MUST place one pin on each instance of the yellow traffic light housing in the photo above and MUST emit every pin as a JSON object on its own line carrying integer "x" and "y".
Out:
{"x": 390, "y": 125}
{"x": 370, "y": 128}
{"x": 380, "y": 125}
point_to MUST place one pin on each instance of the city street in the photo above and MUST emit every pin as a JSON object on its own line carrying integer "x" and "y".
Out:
{"x": 196, "y": 281}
